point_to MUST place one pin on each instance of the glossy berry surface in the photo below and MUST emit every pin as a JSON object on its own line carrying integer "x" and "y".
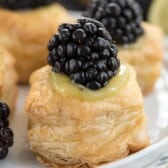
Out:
{"x": 122, "y": 18}
{"x": 6, "y": 133}
{"x": 24, "y": 4}
{"x": 84, "y": 52}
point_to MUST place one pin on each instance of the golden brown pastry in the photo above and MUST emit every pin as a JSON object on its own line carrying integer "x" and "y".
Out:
{"x": 26, "y": 33}
{"x": 8, "y": 79}
{"x": 85, "y": 109}
{"x": 65, "y": 131}
{"x": 145, "y": 56}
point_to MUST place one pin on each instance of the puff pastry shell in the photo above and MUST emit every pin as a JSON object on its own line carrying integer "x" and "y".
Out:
{"x": 26, "y": 34}
{"x": 145, "y": 56}
{"x": 8, "y": 79}
{"x": 67, "y": 132}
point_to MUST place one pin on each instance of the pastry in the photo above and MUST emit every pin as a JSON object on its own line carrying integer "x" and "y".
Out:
{"x": 84, "y": 109}
{"x": 146, "y": 57}
{"x": 25, "y": 34}
{"x": 140, "y": 44}
{"x": 8, "y": 79}
{"x": 6, "y": 133}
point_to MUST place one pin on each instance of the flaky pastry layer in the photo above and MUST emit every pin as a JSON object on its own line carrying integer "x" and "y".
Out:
{"x": 66, "y": 132}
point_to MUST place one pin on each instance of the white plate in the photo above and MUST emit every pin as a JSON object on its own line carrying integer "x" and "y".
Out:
{"x": 154, "y": 156}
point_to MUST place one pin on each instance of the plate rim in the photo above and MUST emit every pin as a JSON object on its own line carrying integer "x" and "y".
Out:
{"x": 143, "y": 153}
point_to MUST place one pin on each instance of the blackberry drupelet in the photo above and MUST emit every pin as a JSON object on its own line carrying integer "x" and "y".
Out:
{"x": 24, "y": 4}
{"x": 145, "y": 5}
{"x": 122, "y": 18}
{"x": 84, "y": 52}
{"x": 6, "y": 134}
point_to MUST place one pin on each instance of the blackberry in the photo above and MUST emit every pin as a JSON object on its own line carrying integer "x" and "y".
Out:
{"x": 3, "y": 152}
{"x": 6, "y": 134}
{"x": 145, "y": 5}
{"x": 122, "y": 18}
{"x": 24, "y": 4}
{"x": 4, "y": 111}
{"x": 86, "y": 53}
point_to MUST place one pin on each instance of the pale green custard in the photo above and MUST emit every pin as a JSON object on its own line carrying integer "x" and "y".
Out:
{"x": 67, "y": 88}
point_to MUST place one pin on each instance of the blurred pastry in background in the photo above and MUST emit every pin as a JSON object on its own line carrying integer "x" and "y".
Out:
{"x": 8, "y": 79}
{"x": 140, "y": 44}
{"x": 85, "y": 109}
{"x": 25, "y": 33}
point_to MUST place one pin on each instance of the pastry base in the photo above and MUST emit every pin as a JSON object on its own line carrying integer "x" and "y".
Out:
{"x": 145, "y": 56}
{"x": 49, "y": 164}
{"x": 26, "y": 34}
{"x": 66, "y": 131}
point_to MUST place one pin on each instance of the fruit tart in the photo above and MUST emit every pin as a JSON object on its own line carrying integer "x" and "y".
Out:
{"x": 27, "y": 27}
{"x": 140, "y": 44}
{"x": 84, "y": 109}
{"x": 8, "y": 79}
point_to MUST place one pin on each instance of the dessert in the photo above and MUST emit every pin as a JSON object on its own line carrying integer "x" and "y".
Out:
{"x": 8, "y": 79}
{"x": 84, "y": 109}
{"x": 136, "y": 41}
{"x": 146, "y": 57}
{"x": 25, "y": 34}
{"x": 6, "y": 133}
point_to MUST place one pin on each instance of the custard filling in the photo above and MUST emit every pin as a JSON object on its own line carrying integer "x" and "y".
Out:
{"x": 68, "y": 88}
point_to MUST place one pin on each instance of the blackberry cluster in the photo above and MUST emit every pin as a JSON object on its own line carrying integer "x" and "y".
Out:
{"x": 122, "y": 18}
{"x": 6, "y": 134}
{"x": 23, "y": 4}
{"x": 145, "y": 5}
{"x": 84, "y": 52}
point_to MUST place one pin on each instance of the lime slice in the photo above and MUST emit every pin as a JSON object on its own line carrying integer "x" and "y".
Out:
{"x": 158, "y": 14}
